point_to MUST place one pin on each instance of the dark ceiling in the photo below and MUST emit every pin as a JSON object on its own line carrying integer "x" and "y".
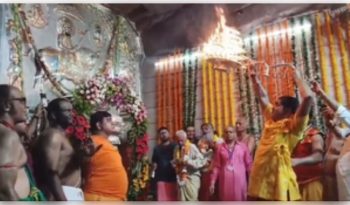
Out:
{"x": 164, "y": 27}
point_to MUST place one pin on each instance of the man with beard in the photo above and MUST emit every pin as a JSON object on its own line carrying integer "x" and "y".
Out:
{"x": 16, "y": 181}
{"x": 164, "y": 172}
{"x": 56, "y": 161}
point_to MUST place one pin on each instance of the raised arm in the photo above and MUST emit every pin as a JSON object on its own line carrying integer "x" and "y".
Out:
{"x": 51, "y": 157}
{"x": 341, "y": 111}
{"x": 305, "y": 94}
{"x": 8, "y": 168}
{"x": 259, "y": 90}
{"x": 316, "y": 88}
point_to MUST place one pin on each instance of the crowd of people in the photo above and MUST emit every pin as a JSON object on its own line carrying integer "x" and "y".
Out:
{"x": 293, "y": 159}
{"x": 51, "y": 164}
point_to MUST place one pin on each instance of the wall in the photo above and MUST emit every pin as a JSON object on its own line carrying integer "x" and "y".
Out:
{"x": 85, "y": 18}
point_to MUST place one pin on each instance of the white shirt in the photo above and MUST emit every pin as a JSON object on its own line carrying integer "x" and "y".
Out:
{"x": 343, "y": 114}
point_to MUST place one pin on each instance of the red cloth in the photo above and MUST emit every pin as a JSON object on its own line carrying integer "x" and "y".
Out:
{"x": 307, "y": 173}
{"x": 204, "y": 192}
{"x": 167, "y": 191}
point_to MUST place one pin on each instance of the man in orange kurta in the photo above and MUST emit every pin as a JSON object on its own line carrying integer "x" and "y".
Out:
{"x": 272, "y": 176}
{"x": 106, "y": 179}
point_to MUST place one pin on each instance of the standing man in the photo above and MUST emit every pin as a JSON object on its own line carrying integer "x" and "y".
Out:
{"x": 188, "y": 161}
{"x": 164, "y": 172}
{"x": 272, "y": 176}
{"x": 16, "y": 181}
{"x": 57, "y": 165}
{"x": 307, "y": 162}
{"x": 243, "y": 136}
{"x": 191, "y": 134}
{"x": 106, "y": 179}
{"x": 343, "y": 165}
{"x": 232, "y": 163}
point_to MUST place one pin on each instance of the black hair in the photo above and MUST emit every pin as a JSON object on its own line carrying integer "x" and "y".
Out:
{"x": 54, "y": 106}
{"x": 207, "y": 123}
{"x": 290, "y": 103}
{"x": 162, "y": 128}
{"x": 97, "y": 117}
{"x": 4, "y": 96}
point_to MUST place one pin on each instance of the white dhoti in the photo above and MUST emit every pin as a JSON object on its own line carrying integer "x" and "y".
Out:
{"x": 73, "y": 193}
{"x": 343, "y": 177}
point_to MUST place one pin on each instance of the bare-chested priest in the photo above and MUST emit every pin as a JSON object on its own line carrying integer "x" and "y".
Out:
{"x": 56, "y": 162}
{"x": 16, "y": 181}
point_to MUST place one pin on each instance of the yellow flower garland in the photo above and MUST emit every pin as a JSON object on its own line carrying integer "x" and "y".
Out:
{"x": 168, "y": 93}
{"x": 218, "y": 99}
{"x": 322, "y": 56}
{"x": 205, "y": 90}
{"x": 179, "y": 155}
{"x": 232, "y": 100}
{"x": 158, "y": 86}
{"x": 334, "y": 62}
{"x": 225, "y": 98}
{"x": 344, "y": 61}
{"x": 211, "y": 95}
{"x": 175, "y": 90}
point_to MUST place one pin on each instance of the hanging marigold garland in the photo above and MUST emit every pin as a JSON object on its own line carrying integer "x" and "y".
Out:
{"x": 344, "y": 59}
{"x": 211, "y": 95}
{"x": 185, "y": 87}
{"x": 233, "y": 95}
{"x": 322, "y": 56}
{"x": 225, "y": 98}
{"x": 194, "y": 88}
{"x": 291, "y": 87}
{"x": 158, "y": 94}
{"x": 347, "y": 32}
{"x": 282, "y": 82}
{"x": 170, "y": 95}
{"x": 334, "y": 62}
{"x": 166, "y": 94}
{"x": 205, "y": 90}
{"x": 181, "y": 92}
{"x": 218, "y": 99}
{"x": 305, "y": 54}
{"x": 268, "y": 55}
{"x": 257, "y": 119}
{"x": 261, "y": 55}
{"x": 241, "y": 98}
{"x": 307, "y": 68}
{"x": 216, "y": 96}
{"x": 175, "y": 90}
{"x": 275, "y": 60}
{"x": 248, "y": 97}
{"x": 315, "y": 62}
{"x": 162, "y": 95}
{"x": 189, "y": 88}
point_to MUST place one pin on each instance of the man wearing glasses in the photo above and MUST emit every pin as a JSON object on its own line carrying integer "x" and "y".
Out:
{"x": 16, "y": 181}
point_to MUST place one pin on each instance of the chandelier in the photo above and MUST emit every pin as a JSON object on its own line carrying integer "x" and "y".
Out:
{"x": 225, "y": 47}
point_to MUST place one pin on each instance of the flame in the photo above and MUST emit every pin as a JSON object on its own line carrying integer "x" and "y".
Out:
{"x": 225, "y": 45}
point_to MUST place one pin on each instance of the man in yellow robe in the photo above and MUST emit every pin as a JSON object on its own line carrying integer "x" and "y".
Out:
{"x": 272, "y": 176}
